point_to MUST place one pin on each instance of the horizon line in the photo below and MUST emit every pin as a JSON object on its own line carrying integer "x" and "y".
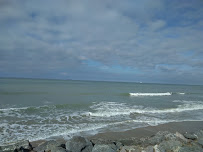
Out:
{"x": 69, "y": 79}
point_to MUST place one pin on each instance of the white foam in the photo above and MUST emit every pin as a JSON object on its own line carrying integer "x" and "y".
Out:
{"x": 101, "y": 115}
{"x": 182, "y": 93}
{"x": 8, "y": 109}
{"x": 151, "y": 94}
{"x": 111, "y": 109}
{"x": 23, "y": 108}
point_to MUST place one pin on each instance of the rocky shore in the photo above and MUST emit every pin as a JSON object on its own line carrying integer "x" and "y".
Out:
{"x": 161, "y": 141}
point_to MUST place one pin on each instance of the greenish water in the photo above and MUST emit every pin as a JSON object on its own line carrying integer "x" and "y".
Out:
{"x": 37, "y": 109}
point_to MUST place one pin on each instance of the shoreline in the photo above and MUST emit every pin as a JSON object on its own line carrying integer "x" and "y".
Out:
{"x": 181, "y": 127}
{"x": 143, "y": 132}
{"x": 185, "y": 135}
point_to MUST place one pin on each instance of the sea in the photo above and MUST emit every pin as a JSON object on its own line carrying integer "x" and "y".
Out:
{"x": 35, "y": 109}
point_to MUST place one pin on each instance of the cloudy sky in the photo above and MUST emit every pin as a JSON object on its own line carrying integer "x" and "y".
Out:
{"x": 157, "y": 41}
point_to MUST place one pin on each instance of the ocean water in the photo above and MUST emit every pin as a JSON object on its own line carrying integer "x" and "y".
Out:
{"x": 38, "y": 109}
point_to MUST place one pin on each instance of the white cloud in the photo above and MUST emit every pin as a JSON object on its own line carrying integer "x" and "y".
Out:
{"x": 59, "y": 35}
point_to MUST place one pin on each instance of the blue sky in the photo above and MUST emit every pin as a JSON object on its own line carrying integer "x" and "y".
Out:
{"x": 157, "y": 41}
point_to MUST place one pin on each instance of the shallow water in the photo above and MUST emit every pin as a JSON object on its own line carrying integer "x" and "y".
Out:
{"x": 38, "y": 109}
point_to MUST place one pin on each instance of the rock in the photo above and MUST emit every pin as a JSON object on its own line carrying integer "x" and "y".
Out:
{"x": 103, "y": 148}
{"x": 180, "y": 136}
{"x": 130, "y": 141}
{"x": 170, "y": 145}
{"x": 119, "y": 145}
{"x": 155, "y": 149}
{"x": 116, "y": 145}
{"x": 130, "y": 149}
{"x": 149, "y": 149}
{"x": 200, "y": 137}
{"x": 102, "y": 141}
{"x": 23, "y": 150}
{"x": 158, "y": 138}
{"x": 195, "y": 148}
{"x": 200, "y": 141}
{"x": 22, "y": 144}
{"x": 78, "y": 144}
{"x": 58, "y": 149}
{"x": 190, "y": 136}
{"x": 48, "y": 145}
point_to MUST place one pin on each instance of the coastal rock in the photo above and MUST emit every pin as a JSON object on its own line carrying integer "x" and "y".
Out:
{"x": 103, "y": 148}
{"x": 113, "y": 144}
{"x": 78, "y": 144}
{"x": 200, "y": 141}
{"x": 149, "y": 149}
{"x": 130, "y": 149}
{"x": 155, "y": 149}
{"x": 46, "y": 146}
{"x": 23, "y": 150}
{"x": 200, "y": 137}
{"x": 170, "y": 145}
{"x": 181, "y": 137}
{"x": 22, "y": 144}
{"x": 190, "y": 148}
{"x": 190, "y": 136}
{"x": 100, "y": 141}
{"x": 158, "y": 138}
{"x": 58, "y": 149}
{"x": 119, "y": 145}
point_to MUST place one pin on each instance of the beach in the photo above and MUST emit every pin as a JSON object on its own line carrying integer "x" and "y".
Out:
{"x": 174, "y": 136}
{"x": 173, "y": 127}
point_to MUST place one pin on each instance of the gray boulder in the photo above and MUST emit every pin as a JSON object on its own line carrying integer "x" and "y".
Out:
{"x": 158, "y": 138}
{"x": 200, "y": 137}
{"x": 78, "y": 144}
{"x": 113, "y": 144}
{"x": 200, "y": 141}
{"x": 130, "y": 149}
{"x": 190, "y": 136}
{"x": 58, "y": 149}
{"x": 190, "y": 148}
{"x": 170, "y": 145}
{"x": 22, "y": 144}
{"x": 149, "y": 149}
{"x": 51, "y": 145}
{"x": 118, "y": 145}
{"x": 180, "y": 137}
{"x": 103, "y": 148}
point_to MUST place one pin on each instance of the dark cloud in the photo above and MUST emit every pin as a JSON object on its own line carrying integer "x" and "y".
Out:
{"x": 148, "y": 39}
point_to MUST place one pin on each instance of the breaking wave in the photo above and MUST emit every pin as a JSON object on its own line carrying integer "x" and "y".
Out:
{"x": 157, "y": 94}
{"x": 150, "y": 94}
{"x": 109, "y": 109}
{"x": 60, "y": 120}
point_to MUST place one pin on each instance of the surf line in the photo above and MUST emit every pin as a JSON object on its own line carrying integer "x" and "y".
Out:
{"x": 150, "y": 94}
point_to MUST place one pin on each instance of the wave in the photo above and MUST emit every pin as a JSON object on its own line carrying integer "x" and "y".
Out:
{"x": 150, "y": 94}
{"x": 24, "y": 108}
{"x": 8, "y": 109}
{"x": 44, "y": 107}
{"x": 97, "y": 117}
{"x": 157, "y": 94}
{"x": 180, "y": 93}
{"x": 111, "y": 109}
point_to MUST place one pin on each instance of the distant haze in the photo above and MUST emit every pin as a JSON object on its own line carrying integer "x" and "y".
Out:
{"x": 157, "y": 41}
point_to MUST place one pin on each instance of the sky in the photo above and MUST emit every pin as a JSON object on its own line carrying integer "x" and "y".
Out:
{"x": 152, "y": 41}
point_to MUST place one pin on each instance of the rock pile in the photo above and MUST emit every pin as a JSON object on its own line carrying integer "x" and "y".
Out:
{"x": 161, "y": 142}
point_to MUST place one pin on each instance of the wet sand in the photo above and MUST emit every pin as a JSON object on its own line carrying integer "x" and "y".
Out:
{"x": 181, "y": 127}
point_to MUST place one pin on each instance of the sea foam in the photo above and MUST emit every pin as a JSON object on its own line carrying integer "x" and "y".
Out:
{"x": 111, "y": 109}
{"x": 150, "y": 94}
